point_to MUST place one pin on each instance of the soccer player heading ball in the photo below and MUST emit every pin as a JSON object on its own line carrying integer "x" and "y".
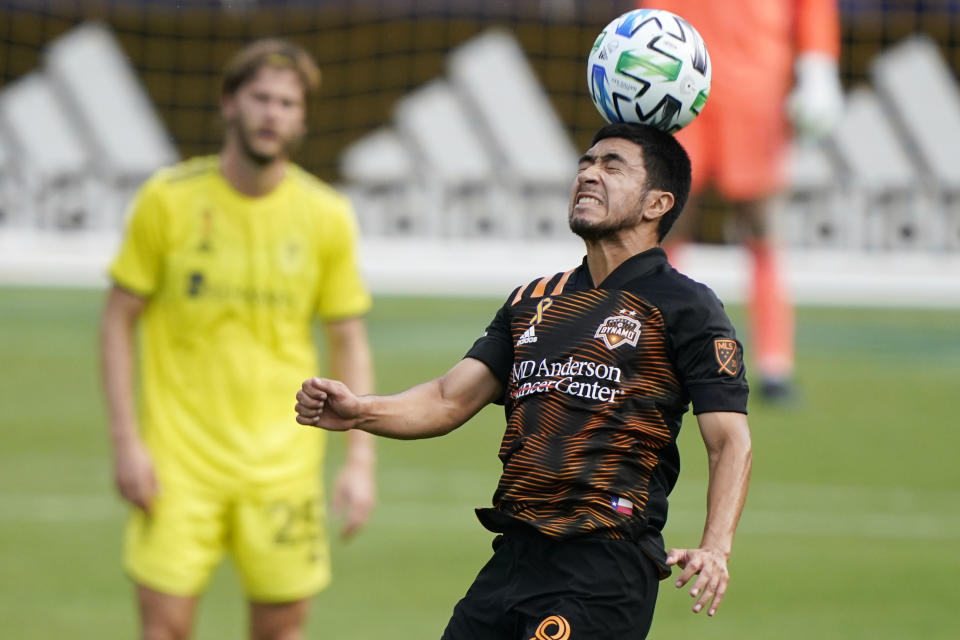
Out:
{"x": 595, "y": 368}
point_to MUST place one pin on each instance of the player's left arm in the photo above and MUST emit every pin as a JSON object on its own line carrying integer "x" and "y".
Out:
{"x": 727, "y": 438}
{"x": 350, "y": 361}
{"x": 815, "y": 103}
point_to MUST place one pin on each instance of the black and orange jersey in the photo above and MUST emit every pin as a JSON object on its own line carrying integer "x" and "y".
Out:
{"x": 596, "y": 382}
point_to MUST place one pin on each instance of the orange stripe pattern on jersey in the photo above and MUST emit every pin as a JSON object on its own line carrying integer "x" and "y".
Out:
{"x": 577, "y": 416}
{"x": 596, "y": 380}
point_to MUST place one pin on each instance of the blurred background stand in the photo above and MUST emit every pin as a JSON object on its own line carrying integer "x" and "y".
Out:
{"x": 45, "y": 147}
{"x": 928, "y": 115}
{"x": 533, "y": 153}
{"x": 883, "y": 189}
{"x": 12, "y": 209}
{"x": 379, "y": 177}
{"x": 455, "y": 165}
{"x": 810, "y": 212}
{"x": 126, "y": 140}
{"x": 455, "y": 127}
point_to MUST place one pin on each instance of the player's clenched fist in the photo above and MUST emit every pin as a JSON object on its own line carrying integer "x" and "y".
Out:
{"x": 327, "y": 404}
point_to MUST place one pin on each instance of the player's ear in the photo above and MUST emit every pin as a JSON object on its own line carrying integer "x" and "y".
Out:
{"x": 657, "y": 203}
{"x": 227, "y": 106}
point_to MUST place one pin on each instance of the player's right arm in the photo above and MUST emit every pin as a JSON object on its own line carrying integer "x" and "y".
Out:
{"x": 132, "y": 466}
{"x": 427, "y": 410}
{"x": 136, "y": 273}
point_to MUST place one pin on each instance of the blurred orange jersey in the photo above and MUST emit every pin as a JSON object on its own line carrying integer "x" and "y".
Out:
{"x": 737, "y": 142}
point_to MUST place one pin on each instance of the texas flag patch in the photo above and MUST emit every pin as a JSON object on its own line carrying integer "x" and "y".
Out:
{"x": 622, "y": 505}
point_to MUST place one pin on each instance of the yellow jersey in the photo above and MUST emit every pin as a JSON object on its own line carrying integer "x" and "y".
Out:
{"x": 233, "y": 284}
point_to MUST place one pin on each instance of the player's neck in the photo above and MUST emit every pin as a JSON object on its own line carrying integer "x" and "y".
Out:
{"x": 606, "y": 254}
{"x": 249, "y": 177}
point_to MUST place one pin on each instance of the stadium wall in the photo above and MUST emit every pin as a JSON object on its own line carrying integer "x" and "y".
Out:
{"x": 372, "y": 52}
{"x": 375, "y": 52}
{"x": 464, "y": 268}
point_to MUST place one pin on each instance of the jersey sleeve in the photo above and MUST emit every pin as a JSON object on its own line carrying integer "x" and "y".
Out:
{"x": 495, "y": 347}
{"x": 137, "y": 266}
{"x": 817, "y": 27}
{"x": 709, "y": 357}
{"x": 342, "y": 292}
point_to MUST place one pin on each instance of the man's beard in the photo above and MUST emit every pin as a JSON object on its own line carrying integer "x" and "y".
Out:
{"x": 254, "y": 156}
{"x": 260, "y": 158}
{"x": 601, "y": 230}
{"x": 594, "y": 231}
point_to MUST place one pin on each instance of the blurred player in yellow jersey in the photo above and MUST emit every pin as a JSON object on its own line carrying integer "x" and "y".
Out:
{"x": 225, "y": 263}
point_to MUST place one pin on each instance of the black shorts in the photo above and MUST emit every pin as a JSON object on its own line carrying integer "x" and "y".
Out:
{"x": 541, "y": 588}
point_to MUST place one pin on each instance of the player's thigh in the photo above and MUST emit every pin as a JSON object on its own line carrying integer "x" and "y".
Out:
{"x": 175, "y": 548}
{"x": 597, "y": 589}
{"x": 278, "y": 620}
{"x": 752, "y": 140}
{"x": 279, "y": 542}
{"x": 163, "y": 615}
{"x": 483, "y": 613}
{"x": 699, "y": 140}
{"x": 598, "y": 617}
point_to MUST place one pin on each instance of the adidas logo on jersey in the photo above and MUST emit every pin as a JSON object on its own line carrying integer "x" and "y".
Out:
{"x": 528, "y": 336}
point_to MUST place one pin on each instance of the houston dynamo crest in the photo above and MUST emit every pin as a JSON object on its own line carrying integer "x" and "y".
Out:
{"x": 618, "y": 330}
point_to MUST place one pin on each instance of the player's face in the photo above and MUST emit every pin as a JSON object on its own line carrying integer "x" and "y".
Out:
{"x": 609, "y": 190}
{"x": 266, "y": 114}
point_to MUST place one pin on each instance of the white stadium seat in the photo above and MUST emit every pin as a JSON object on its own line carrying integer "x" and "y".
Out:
{"x": 810, "y": 214}
{"x": 11, "y": 189}
{"x": 454, "y": 162}
{"x": 885, "y": 180}
{"x": 47, "y": 151}
{"x": 492, "y": 71}
{"x": 381, "y": 181}
{"x": 96, "y": 79}
{"x": 914, "y": 79}
{"x": 112, "y": 110}
{"x": 83, "y": 134}
{"x": 535, "y": 155}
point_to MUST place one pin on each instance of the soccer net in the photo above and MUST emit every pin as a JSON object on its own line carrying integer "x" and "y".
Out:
{"x": 377, "y": 56}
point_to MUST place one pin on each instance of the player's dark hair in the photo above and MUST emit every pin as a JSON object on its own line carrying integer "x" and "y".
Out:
{"x": 270, "y": 52}
{"x": 666, "y": 162}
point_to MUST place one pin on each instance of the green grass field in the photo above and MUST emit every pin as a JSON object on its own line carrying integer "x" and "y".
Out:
{"x": 851, "y": 529}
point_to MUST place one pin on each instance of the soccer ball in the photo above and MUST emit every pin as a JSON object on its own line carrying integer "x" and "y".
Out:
{"x": 649, "y": 66}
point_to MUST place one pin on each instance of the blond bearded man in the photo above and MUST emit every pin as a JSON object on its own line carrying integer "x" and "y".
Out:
{"x": 225, "y": 264}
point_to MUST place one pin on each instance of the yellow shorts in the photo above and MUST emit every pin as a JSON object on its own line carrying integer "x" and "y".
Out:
{"x": 276, "y": 538}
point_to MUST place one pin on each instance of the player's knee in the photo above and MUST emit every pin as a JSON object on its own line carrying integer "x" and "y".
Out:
{"x": 285, "y": 634}
{"x": 163, "y": 616}
{"x": 169, "y": 629}
{"x": 278, "y": 621}
{"x": 292, "y": 632}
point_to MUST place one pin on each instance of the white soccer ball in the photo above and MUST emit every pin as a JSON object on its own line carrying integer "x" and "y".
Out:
{"x": 649, "y": 66}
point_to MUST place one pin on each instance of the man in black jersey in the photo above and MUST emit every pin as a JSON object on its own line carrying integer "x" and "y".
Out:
{"x": 595, "y": 368}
